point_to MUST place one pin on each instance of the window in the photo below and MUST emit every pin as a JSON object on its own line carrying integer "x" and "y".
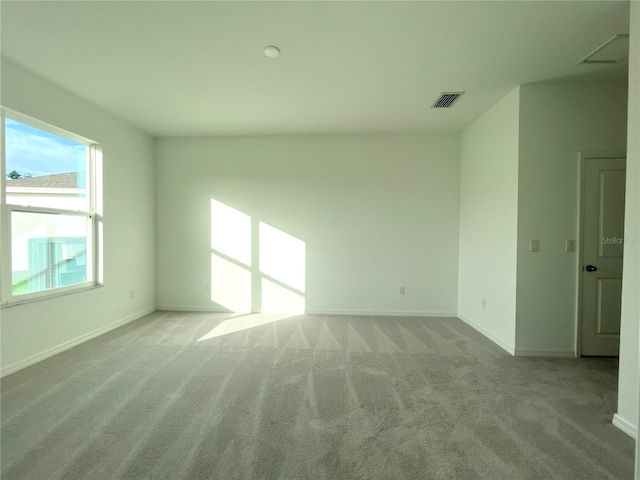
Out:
{"x": 48, "y": 195}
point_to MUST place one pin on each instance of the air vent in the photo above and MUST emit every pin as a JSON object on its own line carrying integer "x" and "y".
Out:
{"x": 447, "y": 99}
{"x": 613, "y": 50}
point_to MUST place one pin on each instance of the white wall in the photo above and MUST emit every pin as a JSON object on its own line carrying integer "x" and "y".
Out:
{"x": 629, "y": 370}
{"x": 488, "y": 221}
{"x": 31, "y": 331}
{"x": 374, "y": 212}
{"x": 556, "y": 122}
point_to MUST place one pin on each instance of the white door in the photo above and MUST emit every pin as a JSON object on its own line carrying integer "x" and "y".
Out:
{"x": 602, "y": 245}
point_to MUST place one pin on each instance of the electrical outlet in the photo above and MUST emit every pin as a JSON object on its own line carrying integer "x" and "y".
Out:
{"x": 132, "y": 293}
{"x": 400, "y": 290}
{"x": 484, "y": 303}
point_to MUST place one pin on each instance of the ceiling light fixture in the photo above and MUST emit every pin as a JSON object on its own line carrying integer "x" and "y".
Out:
{"x": 271, "y": 51}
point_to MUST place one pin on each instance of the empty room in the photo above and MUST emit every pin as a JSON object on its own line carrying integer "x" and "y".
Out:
{"x": 320, "y": 240}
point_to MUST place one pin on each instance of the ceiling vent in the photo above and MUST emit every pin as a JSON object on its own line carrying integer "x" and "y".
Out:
{"x": 613, "y": 50}
{"x": 447, "y": 99}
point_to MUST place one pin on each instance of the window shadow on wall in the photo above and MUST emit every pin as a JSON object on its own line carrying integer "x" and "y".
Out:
{"x": 255, "y": 267}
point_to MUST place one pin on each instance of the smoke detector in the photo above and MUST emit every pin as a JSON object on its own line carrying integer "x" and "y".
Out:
{"x": 271, "y": 51}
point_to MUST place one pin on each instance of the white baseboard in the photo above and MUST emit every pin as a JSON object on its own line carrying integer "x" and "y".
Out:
{"x": 375, "y": 313}
{"x": 72, "y": 343}
{"x": 625, "y": 425}
{"x": 507, "y": 348}
{"x": 379, "y": 313}
{"x": 173, "y": 308}
{"x": 545, "y": 353}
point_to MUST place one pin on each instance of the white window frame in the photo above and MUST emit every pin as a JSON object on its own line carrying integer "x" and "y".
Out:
{"x": 94, "y": 184}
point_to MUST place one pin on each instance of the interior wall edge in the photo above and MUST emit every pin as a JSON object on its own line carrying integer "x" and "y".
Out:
{"x": 625, "y": 425}
{"x": 510, "y": 349}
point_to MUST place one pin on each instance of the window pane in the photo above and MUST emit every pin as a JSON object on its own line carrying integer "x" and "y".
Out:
{"x": 44, "y": 170}
{"x": 47, "y": 251}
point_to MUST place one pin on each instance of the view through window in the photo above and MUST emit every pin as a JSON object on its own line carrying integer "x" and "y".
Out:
{"x": 49, "y": 202}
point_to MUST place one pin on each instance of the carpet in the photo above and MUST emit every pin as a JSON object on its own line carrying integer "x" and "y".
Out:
{"x": 179, "y": 395}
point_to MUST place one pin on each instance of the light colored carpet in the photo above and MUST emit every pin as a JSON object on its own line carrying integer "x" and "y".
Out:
{"x": 199, "y": 396}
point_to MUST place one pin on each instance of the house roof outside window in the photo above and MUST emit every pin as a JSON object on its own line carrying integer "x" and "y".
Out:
{"x": 57, "y": 180}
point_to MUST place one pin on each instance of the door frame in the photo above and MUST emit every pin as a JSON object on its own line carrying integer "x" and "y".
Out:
{"x": 582, "y": 159}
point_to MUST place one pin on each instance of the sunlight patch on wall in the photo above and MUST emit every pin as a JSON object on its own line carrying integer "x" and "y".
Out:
{"x": 276, "y": 298}
{"x": 230, "y": 284}
{"x": 231, "y": 232}
{"x": 255, "y": 267}
{"x": 282, "y": 257}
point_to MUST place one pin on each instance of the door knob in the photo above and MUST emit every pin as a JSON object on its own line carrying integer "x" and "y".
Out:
{"x": 591, "y": 268}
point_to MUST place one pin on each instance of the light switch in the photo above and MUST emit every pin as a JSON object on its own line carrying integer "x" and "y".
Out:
{"x": 570, "y": 246}
{"x": 534, "y": 245}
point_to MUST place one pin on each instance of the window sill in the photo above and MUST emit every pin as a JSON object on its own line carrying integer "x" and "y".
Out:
{"x": 16, "y": 301}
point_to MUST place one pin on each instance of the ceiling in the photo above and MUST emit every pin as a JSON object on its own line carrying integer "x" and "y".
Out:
{"x": 198, "y": 68}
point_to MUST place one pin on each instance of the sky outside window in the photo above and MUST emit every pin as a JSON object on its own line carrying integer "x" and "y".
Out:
{"x": 34, "y": 152}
